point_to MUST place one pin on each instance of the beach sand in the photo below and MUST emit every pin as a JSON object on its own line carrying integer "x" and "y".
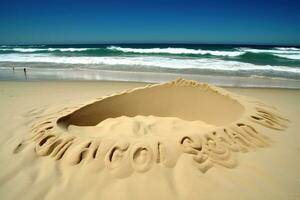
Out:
{"x": 121, "y": 140}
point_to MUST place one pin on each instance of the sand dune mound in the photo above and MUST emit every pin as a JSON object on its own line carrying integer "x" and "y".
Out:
{"x": 155, "y": 125}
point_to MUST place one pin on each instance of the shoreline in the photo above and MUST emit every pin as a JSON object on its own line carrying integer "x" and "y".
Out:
{"x": 133, "y": 83}
{"x": 145, "y": 77}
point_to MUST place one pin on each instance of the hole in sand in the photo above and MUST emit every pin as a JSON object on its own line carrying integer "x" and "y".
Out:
{"x": 187, "y": 103}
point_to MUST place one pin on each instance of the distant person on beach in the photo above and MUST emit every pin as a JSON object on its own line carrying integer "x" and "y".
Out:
{"x": 25, "y": 73}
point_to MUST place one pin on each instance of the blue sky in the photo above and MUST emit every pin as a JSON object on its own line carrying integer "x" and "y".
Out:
{"x": 185, "y": 21}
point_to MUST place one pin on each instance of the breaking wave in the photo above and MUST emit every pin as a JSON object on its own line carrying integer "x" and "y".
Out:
{"x": 290, "y": 53}
{"x": 176, "y": 51}
{"x": 148, "y": 61}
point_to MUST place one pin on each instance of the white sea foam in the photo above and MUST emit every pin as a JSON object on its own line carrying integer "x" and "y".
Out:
{"x": 271, "y": 51}
{"x": 148, "y": 61}
{"x": 25, "y": 50}
{"x": 293, "y": 57}
{"x": 283, "y": 52}
{"x": 69, "y": 49}
{"x": 176, "y": 51}
{"x": 288, "y": 48}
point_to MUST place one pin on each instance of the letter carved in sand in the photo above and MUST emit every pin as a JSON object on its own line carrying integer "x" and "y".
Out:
{"x": 135, "y": 130}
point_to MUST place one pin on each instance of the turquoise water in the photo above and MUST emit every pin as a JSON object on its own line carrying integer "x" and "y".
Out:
{"x": 223, "y": 60}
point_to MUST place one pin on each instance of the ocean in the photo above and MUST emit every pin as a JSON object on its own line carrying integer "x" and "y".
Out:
{"x": 88, "y": 61}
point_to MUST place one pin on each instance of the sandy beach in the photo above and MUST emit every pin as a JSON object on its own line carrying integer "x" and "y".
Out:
{"x": 149, "y": 100}
{"x": 175, "y": 140}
